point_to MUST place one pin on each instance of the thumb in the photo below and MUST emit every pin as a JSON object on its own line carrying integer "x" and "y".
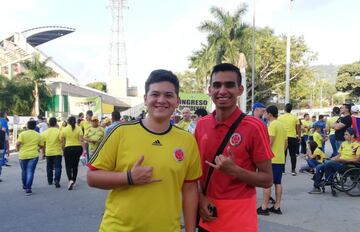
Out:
{"x": 231, "y": 153}
{"x": 139, "y": 162}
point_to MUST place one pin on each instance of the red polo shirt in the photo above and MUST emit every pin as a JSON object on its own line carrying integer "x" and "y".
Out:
{"x": 250, "y": 144}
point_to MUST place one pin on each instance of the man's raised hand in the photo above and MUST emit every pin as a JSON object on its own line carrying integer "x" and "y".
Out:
{"x": 142, "y": 174}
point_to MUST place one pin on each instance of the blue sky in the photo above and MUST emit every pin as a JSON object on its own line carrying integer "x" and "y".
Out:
{"x": 163, "y": 33}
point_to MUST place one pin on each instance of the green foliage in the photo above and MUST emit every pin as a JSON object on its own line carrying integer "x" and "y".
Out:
{"x": 347, "y": 79}
{"x": 190, "y": 83}
{"x": 98, "y": 85}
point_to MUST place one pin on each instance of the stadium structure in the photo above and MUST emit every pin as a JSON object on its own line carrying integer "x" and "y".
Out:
{"x": 20, "y": 46}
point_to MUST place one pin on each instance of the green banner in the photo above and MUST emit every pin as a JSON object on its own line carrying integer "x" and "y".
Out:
{"x": 195, "y": 101}
{"x": 82, "y": 104}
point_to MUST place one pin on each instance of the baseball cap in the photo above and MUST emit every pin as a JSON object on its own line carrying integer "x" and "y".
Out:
{"x": 258, "y": 105}
{"x": 107, "y": 120}
{"x": 355, "y": 109}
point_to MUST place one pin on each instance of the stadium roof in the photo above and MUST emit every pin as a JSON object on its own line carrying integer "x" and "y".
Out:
{"x": 39, "y": 35}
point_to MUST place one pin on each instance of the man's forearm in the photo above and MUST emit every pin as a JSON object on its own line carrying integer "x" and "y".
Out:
{"x": 106, "y": 179}
{"x": 190, "y": 201}
{"x": 258, "y": 179}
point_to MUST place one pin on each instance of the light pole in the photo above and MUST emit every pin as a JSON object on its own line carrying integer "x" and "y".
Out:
{"x": 287, "y": 85}
{"x": 253, "y": 60}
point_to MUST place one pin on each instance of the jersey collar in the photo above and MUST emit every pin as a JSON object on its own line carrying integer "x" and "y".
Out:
{"x": 228, "y": 122}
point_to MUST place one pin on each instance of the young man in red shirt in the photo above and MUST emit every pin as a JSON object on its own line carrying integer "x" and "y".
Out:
{"x": 244, "y": 164}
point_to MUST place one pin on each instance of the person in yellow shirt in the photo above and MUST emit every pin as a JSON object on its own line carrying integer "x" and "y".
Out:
{"x": 305, "y": 132}
{"x": 293, "y": 132}
{"x": 85, "y": 125}
{"x": 278, "y": 142}
{"x": 318, "y": 138}
{"x": 335, "y": 114}
{"x": 186, "y": 119}
{"x": 72, "y": 143}
{"x": 53, "y": 152}
{"x": 28, "y": 145}
{"x": 150, "y": 166}
{"x": 314, "y": 157}
{"x": 94, "y": 135}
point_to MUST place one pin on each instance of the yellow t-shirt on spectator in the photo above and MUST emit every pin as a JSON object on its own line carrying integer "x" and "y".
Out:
{"x": 348, "y": 151}
{"x": 278, "y": 133}
{"x": 52, "y": 140}
{"x": 329, "y": 124}
{"x": 72, "y": 137}
{"x": 94, "y": 134}
{"x": 320, "y": 155}
{"x": 305, "y": 131}
{"x": 30, "y": 141}
{"x": 184, "y": 125}
{"x": 289, "y": 121}
{"x": 318, "y": 139}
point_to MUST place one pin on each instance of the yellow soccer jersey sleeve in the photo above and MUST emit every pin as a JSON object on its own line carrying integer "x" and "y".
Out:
{"x": 277, "y": 132}
{"x": 175, "y": 159}
{"x": 30, "y": 141}
{"x": 52, "y": 140}
{"x": 348, "y": 150}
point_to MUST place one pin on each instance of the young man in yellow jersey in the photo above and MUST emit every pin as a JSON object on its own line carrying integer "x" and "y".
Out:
{"x": 94, "y": 135}
{"x": 53, "y": 152}
{"x": 293, "y": 130}
{"x": 149, "y": 166}
{"x": 278, "y": 142}
{"x": 305, "y": 129}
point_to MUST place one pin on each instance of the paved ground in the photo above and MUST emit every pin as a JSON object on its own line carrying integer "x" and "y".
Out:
{"x": 50, "y": 209}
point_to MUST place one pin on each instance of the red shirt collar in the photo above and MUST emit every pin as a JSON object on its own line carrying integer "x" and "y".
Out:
{"x": 228, "y": 122}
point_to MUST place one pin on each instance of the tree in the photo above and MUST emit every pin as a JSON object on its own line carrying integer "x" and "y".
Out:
{"x": 223, "y": 41}
{"x": 348, "y": 79}
{"x": 98, "y": 85}
{"x": 36, "y": 72}
{"x": 189, "y": 83}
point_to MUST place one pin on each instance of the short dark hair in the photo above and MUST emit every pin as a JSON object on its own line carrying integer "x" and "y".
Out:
{"x": 226, "y": 67}
{"x": 115, "y": 115}
{"x": 348, "y": 106}
{"x": 288, "y": 108}
{"x": 336, "y": 110}
{"x": 321, "y": 116}
{"x": 201, "y": 112}
{"x": 306, "y": 115}
{"x": 89, "y": 113}
{"x": 31, "y": 125}
{"x": 312, "y": 145}
{"x": 273, "y": 110}
{"x": 161, "y": 75}
{"x": 52, "y": 121}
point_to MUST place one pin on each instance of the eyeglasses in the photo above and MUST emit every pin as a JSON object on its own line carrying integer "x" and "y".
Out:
{"x": 226, "y": 84}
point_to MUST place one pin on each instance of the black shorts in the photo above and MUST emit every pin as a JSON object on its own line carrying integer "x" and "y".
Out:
{"x": 278, "y": 170}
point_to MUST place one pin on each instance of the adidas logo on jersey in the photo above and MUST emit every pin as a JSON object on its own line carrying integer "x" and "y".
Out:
{"x": 157, "y": 143}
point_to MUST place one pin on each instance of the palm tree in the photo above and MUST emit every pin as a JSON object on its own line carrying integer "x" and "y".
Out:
{"x": 36, "y": 72}
{"x": 225, "y": 34}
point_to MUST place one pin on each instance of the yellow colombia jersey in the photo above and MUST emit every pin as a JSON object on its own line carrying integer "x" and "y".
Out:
{"x": 278, "y": 134}
{"x": 153, "y": 207}
{"x": 318, "y": 139}
{"x": 30, "y": 141}
{"x": 184, "y": 125}
{"x": 85, "y": 125}
{"x": 94, "y": 134}
{"x": 348, "y": 151}
{"x": 305, "y": 131}
{"x": 289, "y": 121}
{"x": 319, "y": 155}
{"x": 51, "y": 137}
{"x": 72, "y": 137}
{"x": 330, "y": 122}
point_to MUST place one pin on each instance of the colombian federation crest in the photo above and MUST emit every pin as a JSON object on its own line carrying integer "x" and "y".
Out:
{"x": 235, "y": 139}
{"x": 178, "y": 154}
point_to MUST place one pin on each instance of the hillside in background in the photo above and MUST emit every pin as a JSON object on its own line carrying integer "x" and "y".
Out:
{"x": 326, "y": 72}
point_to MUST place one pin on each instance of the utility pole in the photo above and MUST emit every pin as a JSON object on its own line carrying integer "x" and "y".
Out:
{"x": 253, "y": 61}
{"x": 287, "y": 85}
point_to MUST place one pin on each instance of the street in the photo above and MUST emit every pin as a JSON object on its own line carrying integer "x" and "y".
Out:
{"x": 51, "y": 209}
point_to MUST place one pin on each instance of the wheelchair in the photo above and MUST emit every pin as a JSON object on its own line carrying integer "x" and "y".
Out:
{"x": 346, "y": 179}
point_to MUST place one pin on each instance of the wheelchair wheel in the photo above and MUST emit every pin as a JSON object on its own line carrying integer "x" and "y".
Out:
{"x": 354, "y": 178}
{"x": 337, "y": 182}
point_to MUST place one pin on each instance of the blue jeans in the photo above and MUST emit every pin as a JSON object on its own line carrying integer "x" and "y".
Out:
{"x": 1, "y": 161}
{"x": 2, "y": 158}
{"x": 319, "y": 172}
{"x": 331, "y": 167}
{"x": 51, "y": 163}
{"x": 27, "y": 171}
{"x": 333, "y": 145}
{"x": 304, "y": 140}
